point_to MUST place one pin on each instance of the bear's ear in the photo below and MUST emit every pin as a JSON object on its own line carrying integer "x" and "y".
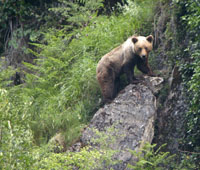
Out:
{"x": 134, "y": 40}
{"x": 150, "y": 38}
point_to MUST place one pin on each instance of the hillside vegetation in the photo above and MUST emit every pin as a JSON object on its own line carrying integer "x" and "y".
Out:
{"x": 55, "y": 46}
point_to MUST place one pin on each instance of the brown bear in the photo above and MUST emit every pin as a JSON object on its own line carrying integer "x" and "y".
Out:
{"x": 134, "y": 51}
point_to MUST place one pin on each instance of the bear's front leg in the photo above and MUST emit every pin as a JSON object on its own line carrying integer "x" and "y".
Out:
{"x": 129, "y": 71}
{"x": 145, "y": 68}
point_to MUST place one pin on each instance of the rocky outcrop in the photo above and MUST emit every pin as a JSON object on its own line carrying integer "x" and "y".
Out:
{"x": 131, "y": 114}
{"x": 170, "y": 121}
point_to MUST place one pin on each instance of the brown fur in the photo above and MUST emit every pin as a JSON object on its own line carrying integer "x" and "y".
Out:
{"x": 134, "y": 51}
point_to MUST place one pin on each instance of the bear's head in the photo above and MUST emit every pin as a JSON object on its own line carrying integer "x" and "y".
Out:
{"x": 142, "y": 45}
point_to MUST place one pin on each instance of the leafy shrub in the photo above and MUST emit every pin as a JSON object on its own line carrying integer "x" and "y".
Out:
{"x": 148, "y": 159}
{"x": 86, "y": 159}
{"x": 16, "y": 138}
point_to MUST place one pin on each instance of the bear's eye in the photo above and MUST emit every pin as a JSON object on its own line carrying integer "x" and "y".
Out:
{"x": 146, "y": 49}
{"x": 140, "y": 49}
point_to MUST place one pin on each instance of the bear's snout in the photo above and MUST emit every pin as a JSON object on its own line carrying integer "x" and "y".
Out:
{"x": 143, "y": 57}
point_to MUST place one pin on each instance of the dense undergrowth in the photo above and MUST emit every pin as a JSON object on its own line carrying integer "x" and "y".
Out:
{"x": 60, "y": 92}
{"x": 190, "y": 68}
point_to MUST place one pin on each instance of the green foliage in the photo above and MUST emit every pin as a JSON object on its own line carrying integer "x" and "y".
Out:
{"x": 191, "y": 18}
{"x": 148, "y": 159}
{"x": 194, "y": 83}
{"x": 143, "y": 15}
{"x": 191, "y": 69}
{"x": 193, "y": 116}
{"x": 5, "y": 74}
{"x": 77, "y": 13}
{"x": 86, "y": 159}
{"x": 189, "y": 12}
{"x": 15, "y": 135}
{"x": 99, "y": 157}
{"x": 20, "y": 21}
{"x": 187, "y": 161}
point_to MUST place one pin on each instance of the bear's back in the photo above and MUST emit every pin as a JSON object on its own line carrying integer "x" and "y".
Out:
{"x": 118, "y": 57}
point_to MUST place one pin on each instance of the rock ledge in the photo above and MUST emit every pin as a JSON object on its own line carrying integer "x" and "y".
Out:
{"x": 132, "y": 114}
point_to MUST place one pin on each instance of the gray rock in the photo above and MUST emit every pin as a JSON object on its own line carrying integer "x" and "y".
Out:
{"x": 175, "y": 78}
{"x": 170, "y": 120}
{"x": 131, "y": 114}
